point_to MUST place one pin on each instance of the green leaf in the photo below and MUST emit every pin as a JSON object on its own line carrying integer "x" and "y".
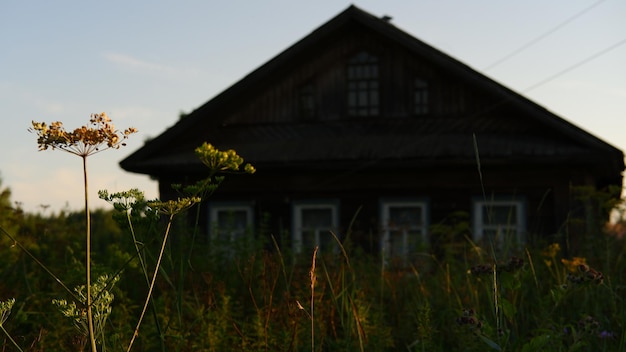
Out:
{"x": 536, "y": 343}
{"x": 491, "y": 343}
{"x": 508, "y": 309}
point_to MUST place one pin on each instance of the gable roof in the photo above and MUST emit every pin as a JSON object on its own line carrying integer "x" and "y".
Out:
{"x": 435, "y": 140}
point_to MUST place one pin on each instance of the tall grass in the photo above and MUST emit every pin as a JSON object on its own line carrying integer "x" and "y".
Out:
{"x": 248, "y": 294}
{"x": 546, "y": 299}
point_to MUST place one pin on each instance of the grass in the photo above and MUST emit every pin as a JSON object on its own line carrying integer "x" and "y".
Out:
{"x": 537, "y": 299}
{"x": 257, "y": 295}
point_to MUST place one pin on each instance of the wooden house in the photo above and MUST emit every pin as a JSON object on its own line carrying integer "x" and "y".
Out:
{"x": 361, "y": 127}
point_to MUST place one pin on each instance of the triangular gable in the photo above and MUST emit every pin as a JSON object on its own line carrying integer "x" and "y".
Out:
{"x": 213, "y": 115}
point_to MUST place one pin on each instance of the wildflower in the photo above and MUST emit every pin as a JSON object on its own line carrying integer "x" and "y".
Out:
{"x": 552, "y": 250}
{"x": 481, "y": 269}
{"x": 100, "y": 134}
{"x": 514, "y": 264}
{"x": 581, "y": 272}
{"x": 102, "y": 299}
{"x": 588, "y": 324}
{"x": 573, "y": 265}
{"x": 583, "y": 268}
{"x": 5, "y": 309}
{"x": 122, "y": 201}
{"x": 468, "y": 318}
{"x": 221, "y": 161}
{"x": 606, "y": 334}
{"x": 594, "y": 276}
{"x": 574, "y": 278}
{"x": 173, "y": 207}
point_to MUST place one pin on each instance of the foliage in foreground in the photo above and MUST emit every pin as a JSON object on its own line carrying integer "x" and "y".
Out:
{"x": 262, "y": 297}
{"x": 253, "y": 294}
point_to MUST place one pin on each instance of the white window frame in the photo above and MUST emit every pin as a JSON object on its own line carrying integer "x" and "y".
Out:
{"x": 297, "y": 226}
{"x": 385, "y": 214}
{"x": 215, "y": 208}
{"x": 478, "y": 207}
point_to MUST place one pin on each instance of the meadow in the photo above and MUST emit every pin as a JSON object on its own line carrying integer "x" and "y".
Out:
{"x": 140, "y": 275}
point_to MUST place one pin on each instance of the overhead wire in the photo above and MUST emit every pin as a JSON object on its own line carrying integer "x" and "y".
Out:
{"x": 576, "y": 65}
{"x": 542, "y": 36}
{"x": 586, "y": 60}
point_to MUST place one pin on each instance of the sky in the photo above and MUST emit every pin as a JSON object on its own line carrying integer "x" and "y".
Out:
{"x": 146, "y": 62}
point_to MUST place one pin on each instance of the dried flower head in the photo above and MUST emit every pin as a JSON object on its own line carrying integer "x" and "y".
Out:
{"x": 469, "y": 319}
{"x": 514, "y": 264}
{"x": 585, "y": 274}
{"x": 100, "y": 134}
{"x": 481, "y": 269}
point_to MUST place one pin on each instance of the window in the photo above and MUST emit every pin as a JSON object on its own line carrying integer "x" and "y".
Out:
{"x": 363, "y": 90}
{"x": 306, "y": 102}
{"x": 404, "y": 228}
{"x": 420, "y": 97}
{"x": 499, "y": 221}
{"x": 229, "y": 221}
{"x": 312, "y": 226}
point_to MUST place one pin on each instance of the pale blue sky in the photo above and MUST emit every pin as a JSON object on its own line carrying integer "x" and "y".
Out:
{"x": 143, "y": 62}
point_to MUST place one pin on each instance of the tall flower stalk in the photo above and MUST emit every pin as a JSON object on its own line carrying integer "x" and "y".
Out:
{"x": 169, "y": 208}
{"x": 99, "y": 135}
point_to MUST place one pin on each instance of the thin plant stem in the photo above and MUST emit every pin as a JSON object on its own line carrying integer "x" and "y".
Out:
{"x": 145, "y": 274}
{"x": 156, "y": 271}
{"x": 11, "y": 339}
{"x": 92, "y": 337}
{"x": 313, "y": 279}
{"x": 45, "y": 268}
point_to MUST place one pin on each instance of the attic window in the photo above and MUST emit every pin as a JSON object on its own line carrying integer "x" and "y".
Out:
{"x": 363, "y": 86}
{"x": 420, "y": 97}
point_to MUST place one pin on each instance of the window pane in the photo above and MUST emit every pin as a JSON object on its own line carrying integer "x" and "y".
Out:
{"x": 362, "y": 74}
{"x": 405, "y": 216}
{"x": 420, "y": 97}
{"x": 500, "y": 214}
{"x": 403, "y": 242}
{"x": 232, "y": 219}
{"x": 498, "y": 234}
{"x": 374, "y": 71}
{"x": 317, "y": 218}
{"x": 308, "y": 240}
{"x": 396, "y": 243}
{"x": 358, "y": 72}
{"x": 362, "y": 98}
{"x": 374, "y": 98}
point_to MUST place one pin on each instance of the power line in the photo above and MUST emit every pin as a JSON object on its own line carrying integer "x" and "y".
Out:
{"x": 578, "y": 64}
{"x": 535, "y": 40}
{"x": 365, "y": 164}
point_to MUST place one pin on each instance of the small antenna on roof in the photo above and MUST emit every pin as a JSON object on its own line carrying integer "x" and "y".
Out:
{"x": 386, "y": 18}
